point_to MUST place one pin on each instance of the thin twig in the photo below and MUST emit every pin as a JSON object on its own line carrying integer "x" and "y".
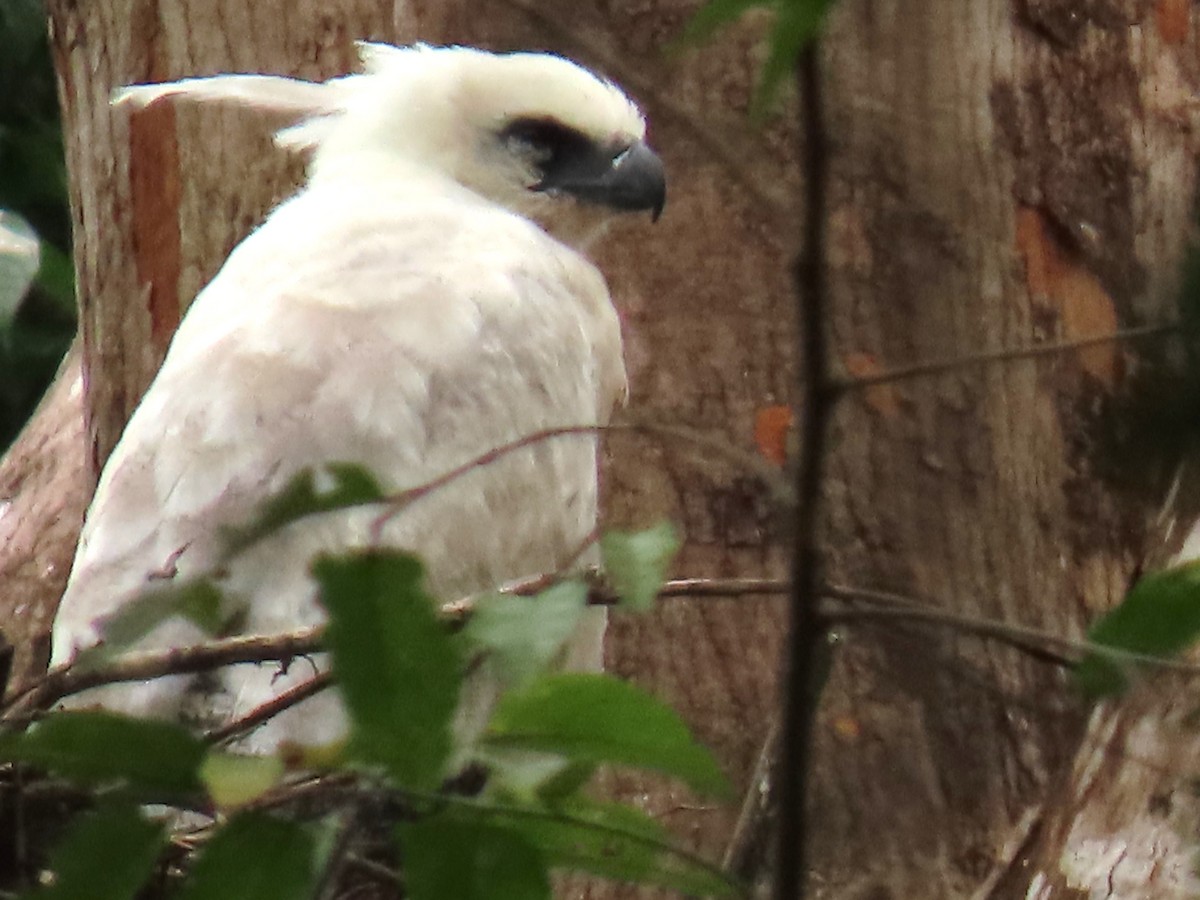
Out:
{"x": 890, "y": 606}
{"x": 327, "y": 884}
{"x": 376, "y": 870}
{"x": 270, "y": 709}
{"x": 808, "y": 627}
{"x": 748, "y": 850}
{"x": 753, "y": 464}
{"x": 886, "y": 606}
{"x": 893, "y": 606}
{"x": 723, "y": 587}
{"x": 1014, "y": 354}
{"x": 66, "y": 680}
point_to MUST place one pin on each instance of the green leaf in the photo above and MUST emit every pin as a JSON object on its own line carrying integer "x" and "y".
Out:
{"x": 1159, "y": 617}
{"x": 524, "y": 634}
{"x": 565, "y": 783}
{"x": 255, "y": 857}
{"x": 234, "y": 779}
{"x": 596, "y": 718}
{"x": 398, "y": 668}
{"x": 449, "y": 859}
{"x": 605, "y": 839}
{"x": 107, "y": 854}
{"x": 797, "y": 24}
{"x": 637, "y": 562}
{"x": 198, "y": 601}
{"x": 56, "y": 276}
{"x": 714, "y": 15}
{"x": 100, "y": 748}
{"x": 334, "y": 486}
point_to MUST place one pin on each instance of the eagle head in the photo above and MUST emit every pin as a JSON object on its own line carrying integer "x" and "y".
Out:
{"x": 532, "y": 132}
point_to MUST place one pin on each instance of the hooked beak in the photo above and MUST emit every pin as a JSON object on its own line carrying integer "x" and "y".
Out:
{"x": 631, "y": 180}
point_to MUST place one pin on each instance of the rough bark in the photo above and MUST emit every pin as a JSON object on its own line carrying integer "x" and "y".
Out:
{"x": 1002, "y": 177}
{"x": 42, "y": 498}
{"x": 1001, "y": 180}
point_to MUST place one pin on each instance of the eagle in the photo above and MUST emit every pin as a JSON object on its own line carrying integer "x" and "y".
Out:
{"x": 422, "y": 299}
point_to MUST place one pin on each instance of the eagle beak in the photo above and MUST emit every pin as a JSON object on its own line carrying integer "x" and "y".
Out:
{"x": 638, "y": 181}
{"x": 632, "y": 180}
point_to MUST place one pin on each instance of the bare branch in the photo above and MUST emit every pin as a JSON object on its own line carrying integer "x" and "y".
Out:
{"x": 1014, "y": 354}
{"x": 270, "y": 709}
{"x": 69, "y": 679}
{"x": 752, "y": 463}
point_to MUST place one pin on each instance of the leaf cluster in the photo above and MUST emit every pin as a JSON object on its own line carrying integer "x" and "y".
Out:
{"x": 795, "y": 25}
{"x": 490, "y": 812}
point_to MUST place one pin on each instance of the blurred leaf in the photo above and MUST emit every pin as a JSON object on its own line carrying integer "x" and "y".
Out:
{"x": 524, "y": 634}
{"x": 398, "y": 669}
{"x": 1159, "y": 617}
{"x": 596, "y": 718}
{"x": 797, "y": 24}
{"x": 637, "y": 562}
{"x": 20, "y": 255}
{"x": 605, "y": 839}
{"x": 255, "y": 857}
{"x": 566, "y": 782}
{"x": 332, "y": 486}
{"x": 22, "y": 35}
{"x": 445, "y": 859}
{"x": 101, "y": 748}
{"x": 107, "y": 854}
{"x": 56, "y": 276}
{"x": 198, "y": 601}
{"x": 234, "y": 779}
{"x": 33, "y": 172}
{"x": 714, "y": 15}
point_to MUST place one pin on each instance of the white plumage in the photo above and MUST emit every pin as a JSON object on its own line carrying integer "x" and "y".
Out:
{"x": 407, "y": 310}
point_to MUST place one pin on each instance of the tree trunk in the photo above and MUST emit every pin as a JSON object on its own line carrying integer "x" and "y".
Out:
{"x": 999, "y": 180}
{"x": 42, "y": 498}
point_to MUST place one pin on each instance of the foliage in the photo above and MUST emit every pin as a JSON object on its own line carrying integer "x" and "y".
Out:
{"x": 637, "y": 563}
{"x": 33, "y": 185}
{"x": 475, "y": 813}
{"x": 1158, "y": 618}
{"x": 106, "y": 855}
{"x": 795, "y": 25}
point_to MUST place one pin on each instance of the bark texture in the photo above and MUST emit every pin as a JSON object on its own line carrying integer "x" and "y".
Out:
{"x": 1003, "y": 175}
{"x": 42, "y": 498}
{"x": 1001, "y": 180}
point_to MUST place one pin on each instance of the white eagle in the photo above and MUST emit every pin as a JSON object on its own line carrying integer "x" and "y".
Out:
{"x": 421, "y": 300}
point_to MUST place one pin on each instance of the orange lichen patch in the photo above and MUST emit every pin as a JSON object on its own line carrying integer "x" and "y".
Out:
{"x": 880, "y": 397}
{"x": 846, "y": 728}
{"x": 1171, "y": 17}
{"x": 1083, "y": 305}
{"x": 771, "y": 425}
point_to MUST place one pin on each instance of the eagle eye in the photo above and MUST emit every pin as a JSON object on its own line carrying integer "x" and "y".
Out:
{"x": 547, "y": 142}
